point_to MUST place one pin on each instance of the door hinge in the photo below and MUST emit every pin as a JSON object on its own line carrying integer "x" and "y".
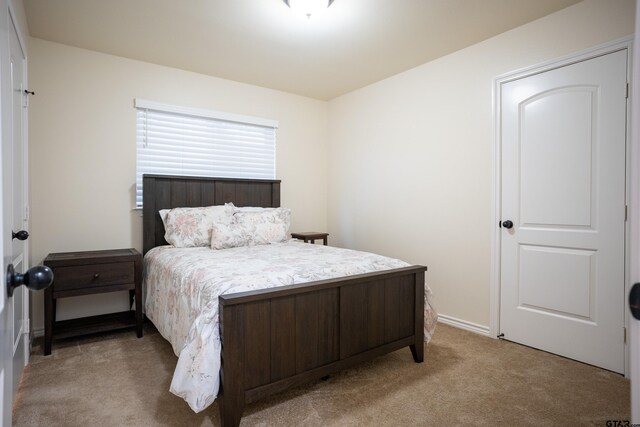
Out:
{"x": 626, "y": 212}
{"x": 627, "y": 92}
{"x": 624, "y": 328}
{"x": 26, "y": 326}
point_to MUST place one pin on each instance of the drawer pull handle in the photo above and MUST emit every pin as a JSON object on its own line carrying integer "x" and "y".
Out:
{"x": 95, "y": 276}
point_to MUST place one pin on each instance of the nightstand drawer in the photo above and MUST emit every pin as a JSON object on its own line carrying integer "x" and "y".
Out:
{"x": 90, "y": 275}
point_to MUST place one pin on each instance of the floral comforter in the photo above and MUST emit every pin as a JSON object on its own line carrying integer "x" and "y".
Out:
{"x": 183, "y": 285}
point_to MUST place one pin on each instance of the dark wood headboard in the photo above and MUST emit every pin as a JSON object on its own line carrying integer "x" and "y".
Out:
{"x": 166, "y": 192}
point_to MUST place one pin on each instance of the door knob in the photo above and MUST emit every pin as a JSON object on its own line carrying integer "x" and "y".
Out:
{"x": 20, "y": 235}
{"x": 507, "y": 224}
{"x": 37, "y": 278}
{"x": 634, "y": 300}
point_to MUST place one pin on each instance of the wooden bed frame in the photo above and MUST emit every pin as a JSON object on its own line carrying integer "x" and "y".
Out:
{"x": 278, "y": 338}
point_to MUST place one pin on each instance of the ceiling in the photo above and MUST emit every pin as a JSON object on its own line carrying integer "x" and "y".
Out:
{"x": 262, "y": 42}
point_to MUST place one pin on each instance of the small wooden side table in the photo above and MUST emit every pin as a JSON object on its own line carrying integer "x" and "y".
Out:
{"x": 92, "y": 272}
{"x": 311, "y": 236}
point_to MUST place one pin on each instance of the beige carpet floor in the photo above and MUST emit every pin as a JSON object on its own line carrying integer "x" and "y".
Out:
{"x": 466, "y": 379}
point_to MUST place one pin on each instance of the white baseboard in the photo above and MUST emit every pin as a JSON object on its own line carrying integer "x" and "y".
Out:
{"x": 442, "y": 318}
{"x": 463, "y": 324}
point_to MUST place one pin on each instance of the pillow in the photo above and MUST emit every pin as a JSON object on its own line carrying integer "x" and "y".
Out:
{"x": 225, "y": 236}
{"x": 191, "y": 227}
{"x": 163, "y": 215}
{"x": 252, "y": 209}
{"x": 265, "y": 225}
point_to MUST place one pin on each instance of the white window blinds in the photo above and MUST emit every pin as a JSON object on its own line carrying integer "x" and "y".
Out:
{"x": 181, "y": 141}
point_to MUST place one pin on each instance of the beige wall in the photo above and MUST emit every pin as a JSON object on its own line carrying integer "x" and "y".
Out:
{"x": 82, "y": 151}
{"x": 410, "y": 157}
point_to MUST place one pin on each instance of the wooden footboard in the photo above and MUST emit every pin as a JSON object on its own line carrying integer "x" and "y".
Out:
{"x": 278, "y": 338}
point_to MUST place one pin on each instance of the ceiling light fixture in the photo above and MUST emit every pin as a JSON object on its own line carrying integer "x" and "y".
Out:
{"x": 308, "y": 7}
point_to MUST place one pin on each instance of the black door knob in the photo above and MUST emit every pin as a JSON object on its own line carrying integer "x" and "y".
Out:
{"x": 37, "y": 278}
{"x": 20, "y": 235}
{"x": 634, "y": 300}
{"x": 507, "y": 224}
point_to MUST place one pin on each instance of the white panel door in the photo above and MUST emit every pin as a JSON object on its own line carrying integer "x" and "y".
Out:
{"x": 563, "y": 188}
{"x": 634, "y": 207}
{"x": 13, "y": 310}
{"x": 6, "y": 303}
{"x": 18, "y": 219}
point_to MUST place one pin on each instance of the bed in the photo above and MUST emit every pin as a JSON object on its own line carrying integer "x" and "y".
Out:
{"x": 276, "y": 338}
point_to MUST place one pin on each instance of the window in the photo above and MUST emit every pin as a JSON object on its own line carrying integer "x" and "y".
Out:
{"x": 186, "y": 141}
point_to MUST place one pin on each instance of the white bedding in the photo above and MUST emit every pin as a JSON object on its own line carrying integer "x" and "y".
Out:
{"x": 183, "y": 285}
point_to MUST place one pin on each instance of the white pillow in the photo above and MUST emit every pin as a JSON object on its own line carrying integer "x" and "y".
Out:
{"x": 225, "y": 236}
{"x": 252, "y": 209}
{"x": 191, "y": 227}
{"x": 163, "y": 214}
{"x": 268, "y": 225}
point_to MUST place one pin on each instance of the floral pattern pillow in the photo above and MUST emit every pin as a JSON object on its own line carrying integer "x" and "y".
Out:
{"x": 163, "y": 214}
{"x": 265, "y": 226}
{"x": 191, "y": 227}
{"x": 225, "y": 236}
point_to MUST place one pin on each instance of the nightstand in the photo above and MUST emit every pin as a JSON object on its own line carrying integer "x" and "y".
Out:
{"x": 311, "y": 236}
{"x": 87, "y": 273}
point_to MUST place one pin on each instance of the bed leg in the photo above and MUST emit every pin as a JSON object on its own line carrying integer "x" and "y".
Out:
{"x": 231, "y": 410}
{"x": 418, "y": 352}
{"x": 232, "y": 365}
{"x": 417, "y": 348}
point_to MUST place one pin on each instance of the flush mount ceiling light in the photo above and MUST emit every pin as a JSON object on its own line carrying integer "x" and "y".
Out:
{"x": 308, "y": 7}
